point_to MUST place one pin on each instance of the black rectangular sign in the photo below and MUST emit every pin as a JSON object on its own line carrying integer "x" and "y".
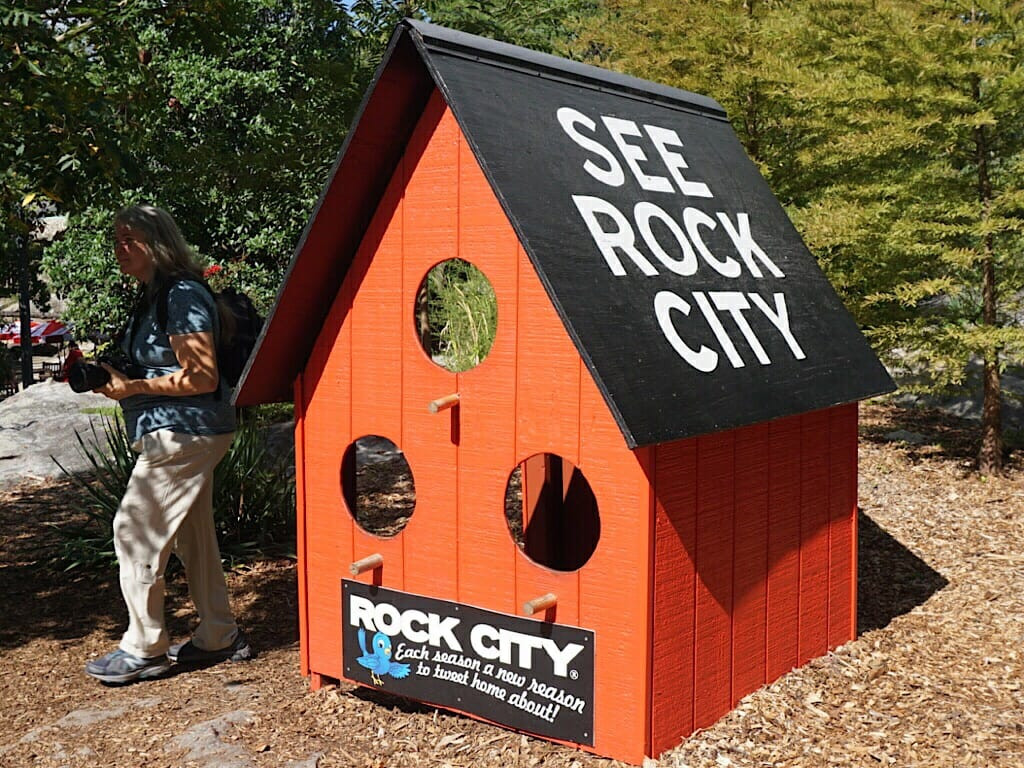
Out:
{"x": 530, "y": 675}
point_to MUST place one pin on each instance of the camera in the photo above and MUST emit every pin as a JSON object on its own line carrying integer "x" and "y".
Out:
{"x": 86, "y": 375}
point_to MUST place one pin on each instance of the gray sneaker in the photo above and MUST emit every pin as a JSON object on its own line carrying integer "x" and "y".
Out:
{"x": 191, "y": 655}
{"x": 122, "y": 667}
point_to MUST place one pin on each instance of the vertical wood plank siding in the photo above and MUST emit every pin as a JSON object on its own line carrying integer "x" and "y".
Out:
{"x": 368, "y": 375}
{"x": 755, "y": 562}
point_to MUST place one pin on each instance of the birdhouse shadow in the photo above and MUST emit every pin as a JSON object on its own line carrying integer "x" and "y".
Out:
{"x": 391, "y": 701}
{"x": 891, "y": 580}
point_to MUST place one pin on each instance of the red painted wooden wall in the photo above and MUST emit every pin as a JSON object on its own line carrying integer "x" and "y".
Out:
{"x": 723, "y": 561}
{"x": 369, "y": 375}
{"x": 755, "y": 562}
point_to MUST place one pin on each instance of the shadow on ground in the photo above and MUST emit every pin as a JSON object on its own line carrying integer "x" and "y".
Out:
{"x": 43, "y": 601}
{"x": 891, "y": 580}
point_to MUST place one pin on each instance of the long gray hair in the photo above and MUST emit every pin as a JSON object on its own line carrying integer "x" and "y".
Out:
{"x": 172, "y": 257}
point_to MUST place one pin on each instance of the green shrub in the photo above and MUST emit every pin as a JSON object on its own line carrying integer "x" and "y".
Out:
{"x": 254, "y": 497}
{"x": 90, "y": 543}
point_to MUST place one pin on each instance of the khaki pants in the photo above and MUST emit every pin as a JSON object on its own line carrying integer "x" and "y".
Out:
{"x": 169, "y": 506}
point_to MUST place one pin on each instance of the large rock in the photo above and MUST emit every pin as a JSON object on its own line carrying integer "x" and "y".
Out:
{"x": 41, "y": 422}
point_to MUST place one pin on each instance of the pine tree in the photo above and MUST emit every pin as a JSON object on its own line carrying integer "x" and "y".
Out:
{"x": 736, "y": 51}
{"x": 920, "y": 198}
{"x": 892, "y": 132}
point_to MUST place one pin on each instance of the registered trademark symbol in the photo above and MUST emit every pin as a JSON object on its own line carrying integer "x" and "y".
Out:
{"x": 573, "y": 674}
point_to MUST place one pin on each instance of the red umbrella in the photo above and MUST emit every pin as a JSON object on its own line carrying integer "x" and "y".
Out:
{"x": 52, "y": 330}
{"x": 47, "y": 330}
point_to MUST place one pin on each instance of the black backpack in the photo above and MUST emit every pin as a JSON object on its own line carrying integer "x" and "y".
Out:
{"x": 235, "y": 343}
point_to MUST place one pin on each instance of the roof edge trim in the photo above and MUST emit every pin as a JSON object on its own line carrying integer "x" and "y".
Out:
{"x": 450, "y": 42}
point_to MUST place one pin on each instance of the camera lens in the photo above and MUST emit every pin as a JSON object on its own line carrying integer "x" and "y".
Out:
{"x": 85, "y": 377}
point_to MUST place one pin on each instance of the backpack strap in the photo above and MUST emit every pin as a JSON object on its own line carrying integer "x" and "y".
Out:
{"x": 131, "y": 323}
{"x": 164, "y": 291}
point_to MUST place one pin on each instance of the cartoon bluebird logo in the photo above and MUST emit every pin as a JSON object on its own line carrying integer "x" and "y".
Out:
{"x": 379, "y": 661}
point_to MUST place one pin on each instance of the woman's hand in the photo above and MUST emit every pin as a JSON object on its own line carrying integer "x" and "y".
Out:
{"x": 119, "y": 386}
{"x": 197, "y": 357}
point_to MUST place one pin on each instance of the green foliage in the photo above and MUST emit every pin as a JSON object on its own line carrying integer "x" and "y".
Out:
{"x": 90, "y": 543}
{"x": 254, "y": 506}
{"x": 462, "y": 312}
{"x": 82, "y": 270}
{"x": 245, "y": 105}
{"x": 917, "y": 210}
{"x": 60, "y": 115}
{"x": 229, "y": 113}
{"x": 732, "y": 50}
{"x": 892, "y": 132}
{"x": 549, "y": 26}
{"x": 254, "y": 497}
{"x": 259, "y": 281}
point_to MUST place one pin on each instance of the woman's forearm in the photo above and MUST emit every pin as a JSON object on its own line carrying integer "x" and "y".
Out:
{"x": 197, "y": 357}
{"x": 180, "y": 383}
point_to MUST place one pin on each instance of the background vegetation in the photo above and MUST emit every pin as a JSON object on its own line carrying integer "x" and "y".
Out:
{"x": 890, "y": 129}
{"x": 462, "y": 313}
{"x": 254, "y": 506}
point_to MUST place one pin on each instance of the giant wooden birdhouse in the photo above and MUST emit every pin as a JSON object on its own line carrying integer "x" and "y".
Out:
{"x": 670, "y": 397}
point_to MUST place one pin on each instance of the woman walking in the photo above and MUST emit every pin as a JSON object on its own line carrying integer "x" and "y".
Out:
{"x": 179, "y": 417}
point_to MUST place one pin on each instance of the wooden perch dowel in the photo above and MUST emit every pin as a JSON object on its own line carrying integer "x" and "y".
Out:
{"x": 368, "y": 563}
{"x": 539, "y": 604}
{"x": 443, "y": 403}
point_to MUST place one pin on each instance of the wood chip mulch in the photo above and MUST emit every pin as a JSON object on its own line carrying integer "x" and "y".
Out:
{"x": 934, "y": 679}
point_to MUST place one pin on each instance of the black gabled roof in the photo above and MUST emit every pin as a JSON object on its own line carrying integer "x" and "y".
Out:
{"x": 687, "y": 291}
{"x": 433, "y": 39}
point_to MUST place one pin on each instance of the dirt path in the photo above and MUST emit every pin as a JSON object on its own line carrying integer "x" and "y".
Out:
{"x": 935, "y": 678}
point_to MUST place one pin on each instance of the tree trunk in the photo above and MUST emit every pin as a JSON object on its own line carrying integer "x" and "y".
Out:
{"x": 25, "y": 311}
{"x": 990, "y": 456}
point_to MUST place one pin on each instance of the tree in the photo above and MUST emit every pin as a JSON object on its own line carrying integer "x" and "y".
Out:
{"x": 550, "y": 27}
{"x": 891, "y": 131}
{"x": 736, "y": 51}
{"x": 56, "y": 126}
{"x": 920, "y": 205}
{"x": 226, "y": 112}
{"x": 229, "y": 114}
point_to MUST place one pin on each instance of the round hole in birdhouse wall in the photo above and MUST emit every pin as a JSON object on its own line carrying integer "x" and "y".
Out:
{"x": 377, "y": 485}
{"x": 456, "y": 315}
{"x": 552, "y": 512}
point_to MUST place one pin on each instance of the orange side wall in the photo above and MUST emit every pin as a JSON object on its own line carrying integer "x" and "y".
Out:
{"x": 368, "y": 375}
{"x": 755, "y": 562}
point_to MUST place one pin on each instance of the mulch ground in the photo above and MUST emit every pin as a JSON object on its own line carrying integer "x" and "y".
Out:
{"x": 934, "y": 678}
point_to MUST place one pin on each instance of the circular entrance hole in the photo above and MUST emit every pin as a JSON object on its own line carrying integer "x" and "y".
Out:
{"x": 552, "y": 513}
{"x": 377, "y": 485}
{"x": 456, "y": 315}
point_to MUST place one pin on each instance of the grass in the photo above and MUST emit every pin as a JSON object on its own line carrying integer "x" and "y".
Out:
{"x": 462, "y": 313}
{"x": 112, "y": 412}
